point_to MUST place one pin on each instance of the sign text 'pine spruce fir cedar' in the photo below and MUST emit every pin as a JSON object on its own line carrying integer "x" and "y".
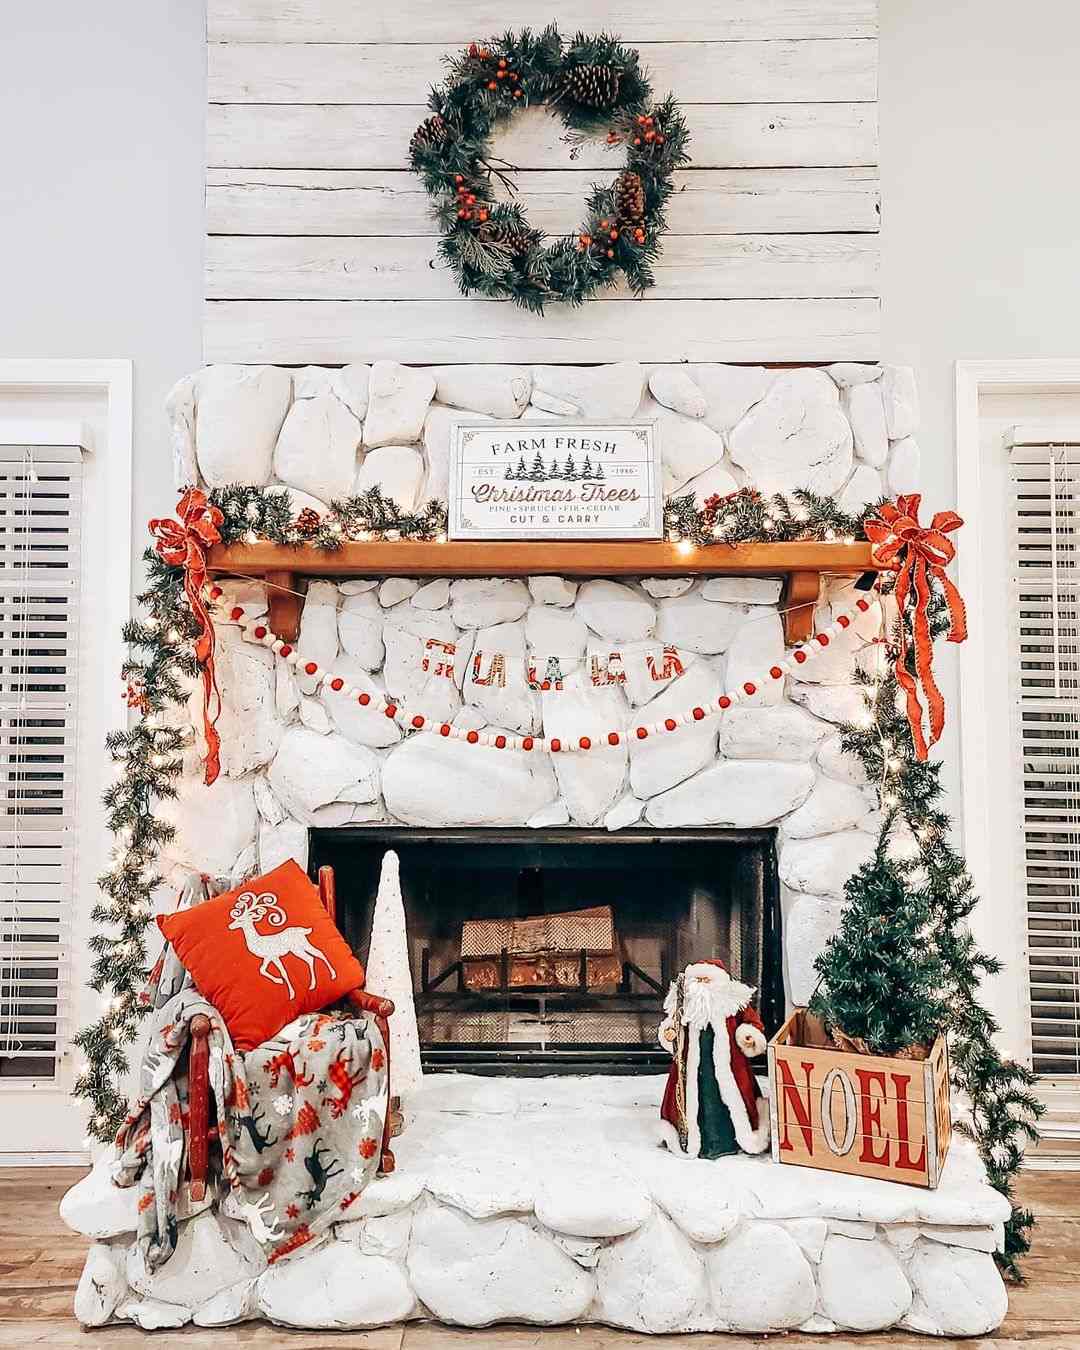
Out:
{"x": 870, "y": 1115}
{"x": 562, "y": 480}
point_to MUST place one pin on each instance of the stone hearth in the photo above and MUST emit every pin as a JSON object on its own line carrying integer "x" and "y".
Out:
{"x": 548, "y": 1201}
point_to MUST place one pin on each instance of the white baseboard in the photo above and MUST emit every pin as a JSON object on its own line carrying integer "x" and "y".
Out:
{"x": 76, "y": 1158}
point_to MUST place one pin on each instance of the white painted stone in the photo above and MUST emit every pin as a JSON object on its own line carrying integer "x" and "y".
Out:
{"x": 432, "y": 595}
{"x": 317, "y": 445}
{"x": 314, "y": 716}
{"x": 848, "y": 373}
{"x": 673, "y": 387}
{"x": 901, "y": 396}
{"x": 553, "y": 591}
{"x": 866, "y": 413}
{"x": 757, "y": 646}
{"x": 651, "y": 1281}
{"x": 102, "y": 1284}
{"x": 397, "y": 470}
{"x": 832, "y": 702}
{"x": 268, "y": 806}
{"x": 335, "y": 1287}
{"x": 97, "y": 1208}
{"x": 590, "y": 783}
{"x": 358, "y": 585}
{"x": 810, "y": 1234}
{"x": 743, "y": 590}
{"x": 905, "y": 463}
{"x": 361, "y": 725}
{"x": 238, "y": 1303}
{"x": 277, "y": 843}
{"x": 406, "y": 632}
{"x": 590, "y": 1204}
{"x": 360, "y": 629}
{"x": 213, "y": 824}
{"x": 957, "y": 1293}
{"x": 472, "y": 1272}
{"x": 663, "y": 588}
{"x": 248, "y": 724}
{"x": 861, "y": 1229}
{"x": 862, "y": 488}
{"x": 180, "y": 412}
{"x": 349, "y": 385}
{"x": 823, "y": 866}
{"x": 388, "y": 1236}
{"x": 841, "y": 594}
{"x": 395, "y": 589}
{"x": 203, "y": 1262}
{"x": 863, "y": 1287}
{"x": 550, "y": 631}
{"x": 687, "y": 448}
{"x": 480, "y": 602}
{"x": 513, "y": 705}
{"x": 310, "y": 771}
{"x": 388, "y": 1194}
{"x": 840, "y": 763}
{"x": 730, "y": 391}
{"x": 831, "y": 806}
{"x": 714, "y": 482}
{"x": 616, "y": 612}
{"x": 796, "y": 437}
{"x": 696, "y": 624}
{"x": 554, "y": 407}
{"x": 398, "y": 399}
{"x": 760, "y": 1280}
{"x": 550, "y": 817}
{"x": 734, "y": 792}
{"x": 439, "y": 427}
{"x": 695, "y": 1200}
{"x": 286, "y": 694}
{"x": 782, "y": 732}
{"x": 431, "y": 781}
{"x": 318, "y": 637}
{"x": 663, "y": 760}
{"x": 596, "y": 391}
{"x": 151, "y": 1314}
{"x": 643, "y": 664}
{"x": 501, "y": 391}
{"x": 983, "y": 1239}
{"x": 626, "y": 811}
{"x": 839, "y": 661}
{"x": 239, "y": 412}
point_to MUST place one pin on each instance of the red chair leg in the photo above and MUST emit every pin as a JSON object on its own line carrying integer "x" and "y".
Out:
{"x": 386, "y": 1158}
{"x": 199, "y": 1105}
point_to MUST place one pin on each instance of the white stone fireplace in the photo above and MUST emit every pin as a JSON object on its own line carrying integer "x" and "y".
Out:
{"x": 546, "y": 1199}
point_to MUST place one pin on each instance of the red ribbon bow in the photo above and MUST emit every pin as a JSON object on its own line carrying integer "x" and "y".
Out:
{"x": 183, "y": 543}
{"x": 918, "y": 554}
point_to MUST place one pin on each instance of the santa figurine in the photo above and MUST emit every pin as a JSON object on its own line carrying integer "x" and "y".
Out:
{"x": 712, "y": 1105}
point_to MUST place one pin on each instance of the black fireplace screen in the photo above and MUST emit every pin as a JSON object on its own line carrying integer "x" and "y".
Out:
{"x": 510, "y": 977}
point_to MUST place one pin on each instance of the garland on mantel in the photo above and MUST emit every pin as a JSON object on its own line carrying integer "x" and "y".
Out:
{"x": 150, "y": 756}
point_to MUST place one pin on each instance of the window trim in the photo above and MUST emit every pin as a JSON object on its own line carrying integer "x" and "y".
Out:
{"x": 108, "y": 584}
{"x": 997, "y": 921}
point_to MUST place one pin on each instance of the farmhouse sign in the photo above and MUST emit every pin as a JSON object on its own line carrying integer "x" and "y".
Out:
{"x": 873, "y": 1115}
{"x": 571, "y": 480}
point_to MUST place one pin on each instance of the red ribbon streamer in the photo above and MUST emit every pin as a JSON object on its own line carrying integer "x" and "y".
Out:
{"x": 918, "y": 555}
{"x": 183, "y": 543}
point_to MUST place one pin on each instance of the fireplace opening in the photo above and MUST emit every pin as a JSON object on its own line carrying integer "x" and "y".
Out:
{"x": 537, "y": 952}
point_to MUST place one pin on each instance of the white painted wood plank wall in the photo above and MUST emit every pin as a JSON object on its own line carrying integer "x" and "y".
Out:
{"x": 321, "y": 246}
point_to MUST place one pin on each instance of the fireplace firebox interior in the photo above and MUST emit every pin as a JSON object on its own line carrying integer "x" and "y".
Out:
{"x": 510, "y": 977}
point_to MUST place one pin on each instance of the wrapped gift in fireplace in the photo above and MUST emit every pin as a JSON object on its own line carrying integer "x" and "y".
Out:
{"x": 572, "y": 950}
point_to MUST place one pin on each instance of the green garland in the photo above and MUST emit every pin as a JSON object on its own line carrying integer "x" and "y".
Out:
{"x": 594, "y": 84}
{"x": 150, "y": 758}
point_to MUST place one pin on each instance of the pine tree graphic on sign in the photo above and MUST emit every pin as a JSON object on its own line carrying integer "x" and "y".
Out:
{"x": 586, "y": 469}
{"x": 570, "y": 471}
{"x": 598, "y": 474}
{"x": 538, "y": 473}
{"x": 510, "y": 475}
{"x": 554, "y": 471}
{"x": 522, "y": 472}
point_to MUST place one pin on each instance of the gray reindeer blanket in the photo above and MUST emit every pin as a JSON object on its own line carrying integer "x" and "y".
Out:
{"x": 300, "y": 1119}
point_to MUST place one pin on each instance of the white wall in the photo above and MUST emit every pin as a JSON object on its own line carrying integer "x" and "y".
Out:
{"x": 101, "y": 216}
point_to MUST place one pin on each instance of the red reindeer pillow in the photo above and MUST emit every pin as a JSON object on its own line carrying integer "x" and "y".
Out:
{"x": 264, "y": 953}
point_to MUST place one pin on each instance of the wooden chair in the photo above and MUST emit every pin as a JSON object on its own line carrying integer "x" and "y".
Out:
{"x": 200, "y": 1130}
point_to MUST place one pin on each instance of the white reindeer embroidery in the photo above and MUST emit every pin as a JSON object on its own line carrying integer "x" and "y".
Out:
{"x": 256, "y": 1214}
{"x": 270, "y": 948}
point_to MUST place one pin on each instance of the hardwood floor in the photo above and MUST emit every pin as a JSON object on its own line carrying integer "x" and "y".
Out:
{"x": 40, "y": 1262}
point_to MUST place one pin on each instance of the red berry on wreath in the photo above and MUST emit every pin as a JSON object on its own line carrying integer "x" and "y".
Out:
{"x": 482, "y": 216}
{"x": 500, "y": 74}
{"x": 502, "y": 62}
{"x": 459, "y": 178}
{"x": 637, "y": 140}
{"x": 613, "y": 138}
{"x": 517, "y": 93}
{"x": 463, "y": 214}
{"x": 611, "y": 253}
{"x": 614, "y": 234}
{"x": 604, "y": 224}
{"x": 492, "y": 85}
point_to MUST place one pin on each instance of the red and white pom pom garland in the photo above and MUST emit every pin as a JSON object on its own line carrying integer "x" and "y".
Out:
{"x": 258, "y": 631}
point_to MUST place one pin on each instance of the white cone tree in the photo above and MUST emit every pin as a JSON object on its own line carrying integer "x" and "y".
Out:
{"x": 388, "y": 974}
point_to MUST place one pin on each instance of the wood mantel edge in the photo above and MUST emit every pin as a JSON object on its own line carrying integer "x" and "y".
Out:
{"x": 282, "y": 566}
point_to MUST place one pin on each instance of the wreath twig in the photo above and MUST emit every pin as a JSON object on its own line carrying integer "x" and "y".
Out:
{"x": 594, "y": 85}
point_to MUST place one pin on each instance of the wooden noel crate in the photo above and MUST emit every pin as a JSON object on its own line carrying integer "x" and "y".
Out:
{"x": 872, "y": 1115}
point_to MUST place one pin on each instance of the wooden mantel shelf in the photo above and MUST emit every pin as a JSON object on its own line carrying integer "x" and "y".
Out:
{"x": 802, "y": 563}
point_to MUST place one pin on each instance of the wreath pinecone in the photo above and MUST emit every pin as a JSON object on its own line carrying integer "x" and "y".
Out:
{"x": 431, "y": 131}
{"x": 593, "y": 86}
{"x": 629, "y": 199}
{"x": 517, "y": 241}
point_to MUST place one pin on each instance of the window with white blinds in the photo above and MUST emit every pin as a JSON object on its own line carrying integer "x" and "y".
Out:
{"x": 40, "y": 584}
{"x": 1045, "y": 478}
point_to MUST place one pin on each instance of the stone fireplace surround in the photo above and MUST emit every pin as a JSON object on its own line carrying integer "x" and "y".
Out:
{"x": 548, "y": 1201}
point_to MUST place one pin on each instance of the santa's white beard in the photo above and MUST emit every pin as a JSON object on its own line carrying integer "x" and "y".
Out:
{"x": 709, "y": 1004}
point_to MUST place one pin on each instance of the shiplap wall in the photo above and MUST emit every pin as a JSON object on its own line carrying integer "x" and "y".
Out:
{"x": 320, "y": 243}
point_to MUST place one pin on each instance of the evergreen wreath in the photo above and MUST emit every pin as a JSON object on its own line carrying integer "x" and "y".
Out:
{"x": 594, "y": 84}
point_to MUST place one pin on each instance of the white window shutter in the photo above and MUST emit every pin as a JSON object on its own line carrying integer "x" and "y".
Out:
{"x": 1045, "y": 645}
{"x": 40, "y": 587}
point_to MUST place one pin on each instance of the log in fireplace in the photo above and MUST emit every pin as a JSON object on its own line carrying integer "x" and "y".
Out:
{"x": 533, "y": 1002}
